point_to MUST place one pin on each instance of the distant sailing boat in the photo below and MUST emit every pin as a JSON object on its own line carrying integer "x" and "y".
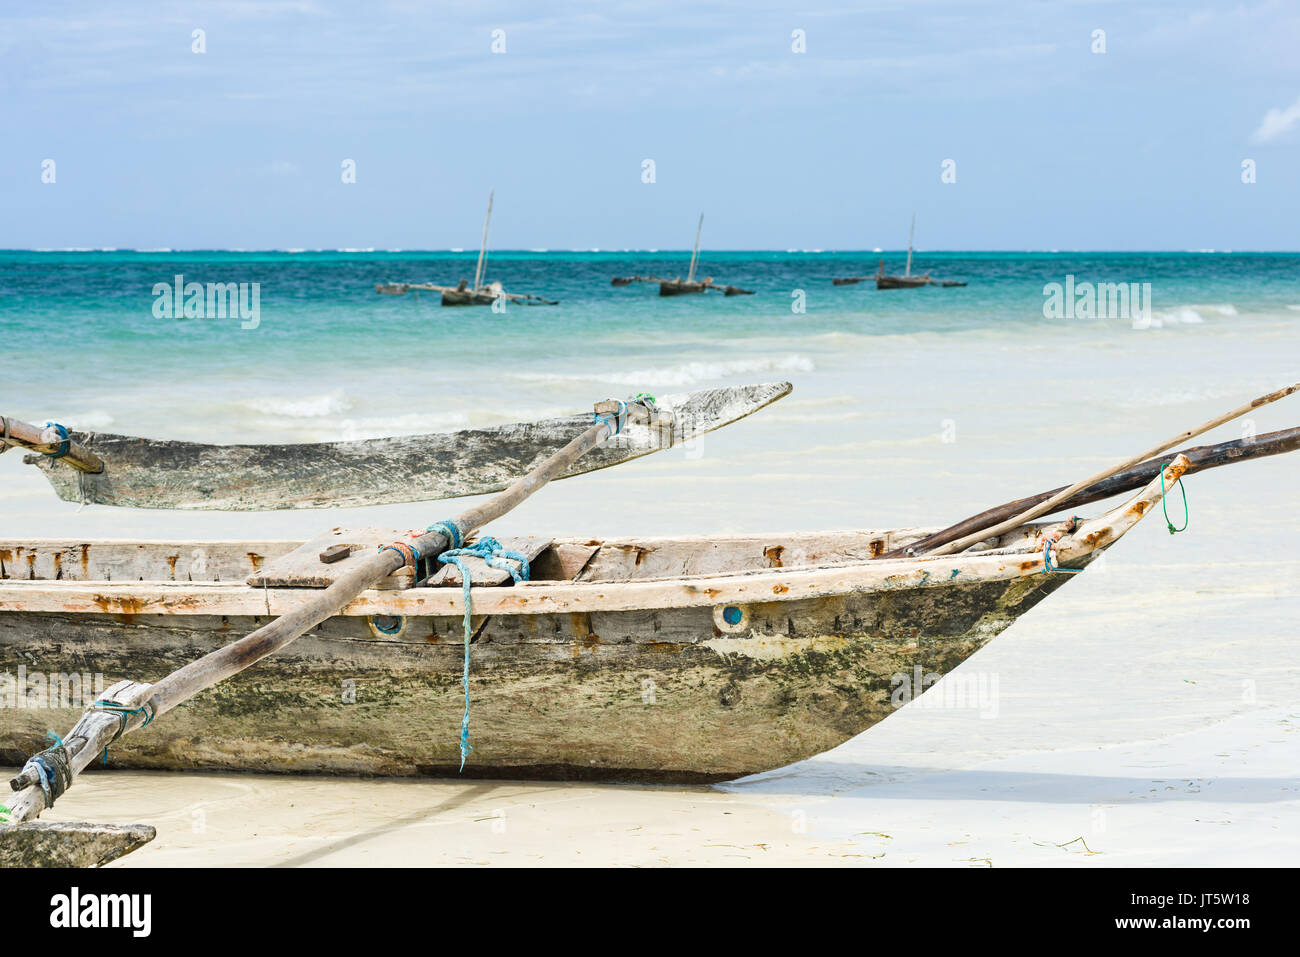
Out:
{"x": 679, "y": 286}
{"x": 905, "y": 281}
{"x": 462, "y": 294}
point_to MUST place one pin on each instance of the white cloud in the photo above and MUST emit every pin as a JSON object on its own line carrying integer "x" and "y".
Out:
{"x": 1277, "y": 122}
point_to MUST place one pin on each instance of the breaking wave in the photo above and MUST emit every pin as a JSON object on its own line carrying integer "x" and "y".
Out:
{"x": 683, "y": 374}
{"x": 1191, "y": 315}
{"x": 300, "y": 407}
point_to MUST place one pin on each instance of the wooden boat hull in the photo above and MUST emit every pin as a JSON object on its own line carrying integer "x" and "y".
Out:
{"x": 696, "y": 659}
{"x": 679, "y": 288}
{"x": 672, "y": 659}
{"x": 901, "y": 282}
{"x": 640, "y": 694}
{"x": 455, "y": 297}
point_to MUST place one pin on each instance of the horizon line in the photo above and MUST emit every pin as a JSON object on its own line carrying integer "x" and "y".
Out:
{"x": 460, "y": 250}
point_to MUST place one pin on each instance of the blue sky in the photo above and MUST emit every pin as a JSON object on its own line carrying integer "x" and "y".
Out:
{"x": 1055, "y": 146}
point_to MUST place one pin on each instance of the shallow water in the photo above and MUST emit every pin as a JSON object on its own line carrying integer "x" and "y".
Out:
{"x": 1148, "y": 707}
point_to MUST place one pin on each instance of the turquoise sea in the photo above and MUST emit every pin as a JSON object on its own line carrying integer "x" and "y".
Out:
{"x": 894, "y": 391}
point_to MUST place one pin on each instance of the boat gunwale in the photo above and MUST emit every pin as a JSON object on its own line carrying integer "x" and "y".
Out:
{"x": 773, "y": 584}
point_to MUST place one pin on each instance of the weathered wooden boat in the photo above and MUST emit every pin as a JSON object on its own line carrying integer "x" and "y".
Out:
{"x": 108, "y": 469}
{"x": 680, "y": 287}
{"x": 463, "y": 294}
{"x": 683, "y": 659}
{"x": 688, "y": 286}
{"x": 673, "y": 659}
{"x": 906, "y": 280}
{"x": 344, "y": 566}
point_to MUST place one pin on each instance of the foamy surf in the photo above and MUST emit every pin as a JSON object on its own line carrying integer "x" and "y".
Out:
{"x": 1193, "y": 314}
{"x": 685, "y": 374}
{"x": 302, "y": 407}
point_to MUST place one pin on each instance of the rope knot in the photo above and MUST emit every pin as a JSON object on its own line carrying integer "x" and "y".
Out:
{"x": 123, "y": 713}
{"x": 53, "y": 772}
{"x": 64, "y": 445}
{"x": 450, "y": 531}
{"x": 410, "y": 554}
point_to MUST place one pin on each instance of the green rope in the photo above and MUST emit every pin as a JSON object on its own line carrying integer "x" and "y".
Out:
{"x": 1187, "y": 516}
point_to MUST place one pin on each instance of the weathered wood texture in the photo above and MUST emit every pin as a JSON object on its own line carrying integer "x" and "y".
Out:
{"x": 625, "y": 695}
{"x": 644, "y": 675}
{"x": 303, "y": 567}
{"x": 125, "y": 561}
{"x": 225, "y": 662}
{"x": 69, "y": 844}
{"x": 150, "y": 473}
{"x": 93, "y": 731}
{"x": 99, "y": 727}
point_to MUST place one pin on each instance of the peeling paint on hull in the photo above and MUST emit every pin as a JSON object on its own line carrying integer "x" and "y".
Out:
{"x": 629, "y": 695}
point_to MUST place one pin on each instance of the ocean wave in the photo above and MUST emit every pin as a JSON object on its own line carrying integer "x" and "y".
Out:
{"x": 684, "y": 374}
{"x": 94, "y": 419}
{"x": 1192, "y": 314}
{"x": 1178, "y": 316}
{"x": 300, "y": 407}
{"x": 1219, "y": 309}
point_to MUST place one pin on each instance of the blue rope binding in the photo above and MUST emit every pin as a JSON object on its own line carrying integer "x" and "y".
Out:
{"x": 1050, "y": 566}
{"x": 490, "y": 550}
{"x": 53, "y": 770}
{"x": 64, "y": 445}
{"x": 450, "y": 530}
{"x": 123, "y": 713}
{"x": 613, "y": 422}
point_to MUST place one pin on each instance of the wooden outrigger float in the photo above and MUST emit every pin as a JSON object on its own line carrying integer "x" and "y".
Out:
{"x": 672, "y": 659}
{"x": 905, "y": 281}
{"x": 107, "y": 469}
{"x": 463, "y": 294}
{"x": 689, "y": 285}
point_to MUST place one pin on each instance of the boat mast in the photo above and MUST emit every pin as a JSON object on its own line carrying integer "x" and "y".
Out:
{"x": 690, "y": 276}
{"x": 910, "y": 233}
{"x": 482, "y": 250}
